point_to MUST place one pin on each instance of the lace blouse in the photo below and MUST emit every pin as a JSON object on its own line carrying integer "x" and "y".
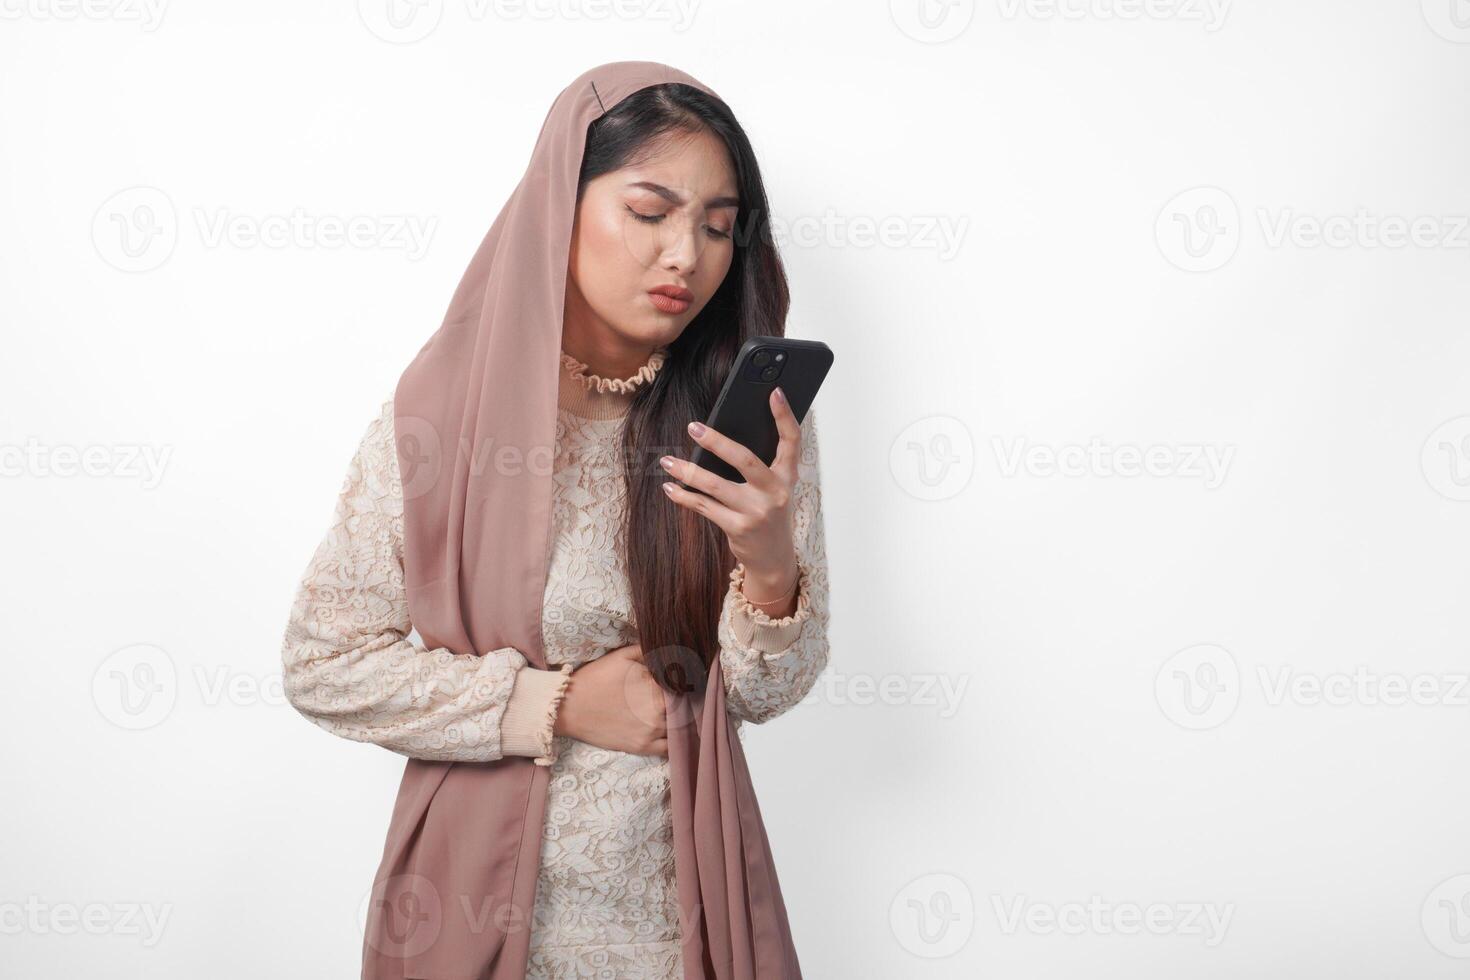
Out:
{"x": 605, "y": 900}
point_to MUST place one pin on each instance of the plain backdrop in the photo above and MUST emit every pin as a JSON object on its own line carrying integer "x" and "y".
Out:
{"x": 1146, "y": 463}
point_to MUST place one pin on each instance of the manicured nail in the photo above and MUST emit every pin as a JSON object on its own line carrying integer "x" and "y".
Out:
{"x": 780, "y": 395}
{"x": 667, "y": 461}
{"x": 669, "y": 489}
{"x": 696, "y": 429}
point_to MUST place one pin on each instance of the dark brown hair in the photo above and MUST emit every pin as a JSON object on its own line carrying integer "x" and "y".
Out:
{"x": 678, "y": 561}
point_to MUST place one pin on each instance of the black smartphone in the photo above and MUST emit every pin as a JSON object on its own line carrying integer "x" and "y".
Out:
{"x": 743, "y": 409}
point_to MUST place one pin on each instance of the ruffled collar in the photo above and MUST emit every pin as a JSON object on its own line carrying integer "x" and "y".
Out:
{"x": 594, "y": 396}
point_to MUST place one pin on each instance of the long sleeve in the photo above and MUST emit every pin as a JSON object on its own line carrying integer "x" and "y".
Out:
{"x": 768, "y": 664}
{"x": 347, "y": 665}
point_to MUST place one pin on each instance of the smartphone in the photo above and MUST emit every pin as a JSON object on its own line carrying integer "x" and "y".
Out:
{"x": 743, "y": 409}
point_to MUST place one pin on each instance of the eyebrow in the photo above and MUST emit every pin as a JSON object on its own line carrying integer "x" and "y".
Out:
{"x": 675, "y": 199}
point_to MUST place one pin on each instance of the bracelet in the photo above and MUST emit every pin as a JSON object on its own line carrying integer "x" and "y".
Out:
{"x": 779, "y": 598}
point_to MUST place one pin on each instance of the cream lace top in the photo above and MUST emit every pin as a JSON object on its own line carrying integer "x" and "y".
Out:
{"x": 605, "y": 895}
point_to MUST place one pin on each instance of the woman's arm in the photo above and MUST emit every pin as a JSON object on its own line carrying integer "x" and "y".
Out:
{"x": 348, "y": 667}
{"x": 768, "y": 664}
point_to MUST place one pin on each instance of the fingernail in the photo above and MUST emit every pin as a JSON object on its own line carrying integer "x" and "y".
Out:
{"x": 667, "y": 462}
{"x": 669, "y": 489}
{"x": 780, "y": 395}
{"x": 696, "y": 429}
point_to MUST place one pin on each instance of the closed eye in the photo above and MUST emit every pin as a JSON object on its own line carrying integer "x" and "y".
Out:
{"x": 654, "y": 219}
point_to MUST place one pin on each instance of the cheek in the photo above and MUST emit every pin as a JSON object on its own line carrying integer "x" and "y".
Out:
{"x": 606, "y": 265}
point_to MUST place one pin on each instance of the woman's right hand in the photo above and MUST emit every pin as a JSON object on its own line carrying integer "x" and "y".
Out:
{"x": 613, "y": 702}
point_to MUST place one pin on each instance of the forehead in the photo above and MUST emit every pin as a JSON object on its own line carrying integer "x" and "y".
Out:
{"x": 688, "y": 162}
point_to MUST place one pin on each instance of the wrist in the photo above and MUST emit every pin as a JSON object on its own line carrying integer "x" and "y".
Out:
{"x": 767, "y": 585}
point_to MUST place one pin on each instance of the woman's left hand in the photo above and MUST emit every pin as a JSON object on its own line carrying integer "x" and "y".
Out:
{"x": 756, "y": 515}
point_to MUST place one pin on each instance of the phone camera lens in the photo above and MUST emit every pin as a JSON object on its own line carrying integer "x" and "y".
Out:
{"x": 761, "y": 358}
{"x": 770, "y": 373}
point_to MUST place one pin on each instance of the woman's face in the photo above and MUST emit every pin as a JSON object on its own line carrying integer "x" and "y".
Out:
{"x": 666, "y": 221}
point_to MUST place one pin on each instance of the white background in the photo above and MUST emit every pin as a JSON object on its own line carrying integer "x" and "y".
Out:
{"x": 1097, "y": 239}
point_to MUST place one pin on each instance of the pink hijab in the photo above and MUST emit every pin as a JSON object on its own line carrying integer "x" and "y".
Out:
{"x": 454, "y": 893}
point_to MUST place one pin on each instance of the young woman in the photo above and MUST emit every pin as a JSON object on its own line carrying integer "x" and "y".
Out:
{"x": 576, "y": 802}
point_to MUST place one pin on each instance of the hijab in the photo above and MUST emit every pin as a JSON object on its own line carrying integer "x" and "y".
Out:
{"x": 475, "y": 417}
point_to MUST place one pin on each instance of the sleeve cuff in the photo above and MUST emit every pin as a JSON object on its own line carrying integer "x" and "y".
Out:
{"x": 526, "y": 726}
{"x": 753, "y": 629}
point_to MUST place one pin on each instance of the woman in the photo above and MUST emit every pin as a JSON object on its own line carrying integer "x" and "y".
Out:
{"x": 574, "y": 803}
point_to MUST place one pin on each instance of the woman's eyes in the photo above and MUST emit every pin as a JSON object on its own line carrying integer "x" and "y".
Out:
{"x": 654, "y": 219}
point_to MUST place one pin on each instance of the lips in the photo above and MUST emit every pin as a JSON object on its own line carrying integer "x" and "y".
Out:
{"x": 670, "y": 299}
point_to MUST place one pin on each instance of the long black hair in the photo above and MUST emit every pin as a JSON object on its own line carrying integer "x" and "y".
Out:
{"x": 679, "y": 562}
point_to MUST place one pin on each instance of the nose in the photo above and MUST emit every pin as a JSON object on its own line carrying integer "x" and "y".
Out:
{"x": 681, "y": 248}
